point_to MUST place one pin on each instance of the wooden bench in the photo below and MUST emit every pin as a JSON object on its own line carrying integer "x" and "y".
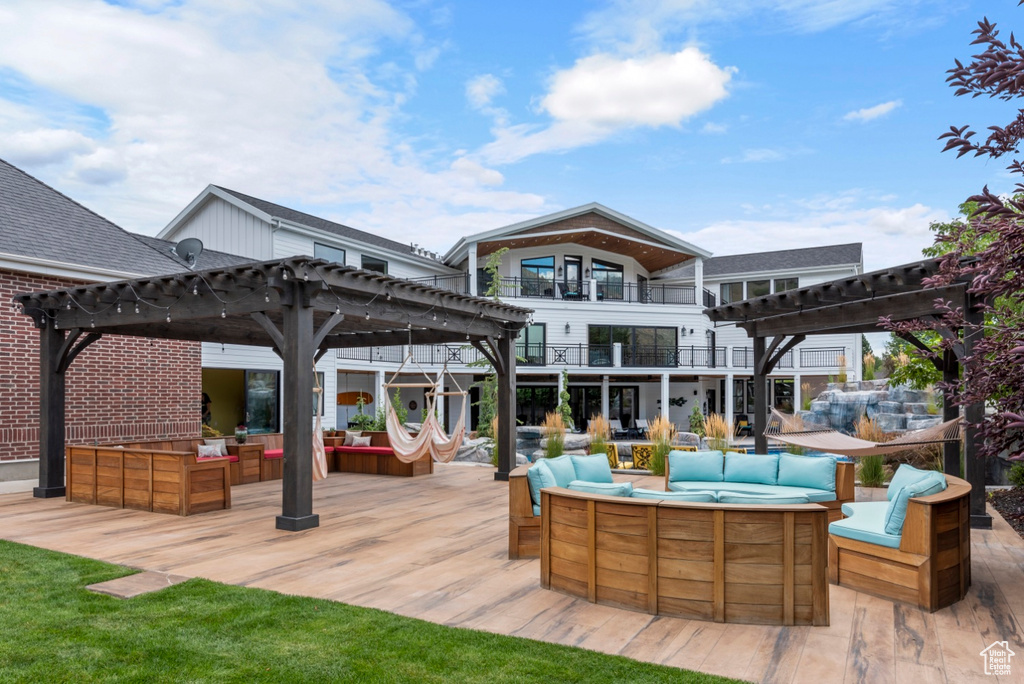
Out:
{"x": 739, "y": 563}
{"x": 523, "y": 525}
{"x": 377, "y": 459}
{"x": 932, "y": 566}
{"x": 147, "y": 479}
{"x": 249, "y": 467}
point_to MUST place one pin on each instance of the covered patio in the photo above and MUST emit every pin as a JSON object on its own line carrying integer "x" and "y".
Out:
{"x": 302, "y": 308}
{"x": 435, "y": 549}
{"x": 776, "y": 323}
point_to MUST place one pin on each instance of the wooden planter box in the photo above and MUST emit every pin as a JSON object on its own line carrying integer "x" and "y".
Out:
{"x": 147, "y": 479}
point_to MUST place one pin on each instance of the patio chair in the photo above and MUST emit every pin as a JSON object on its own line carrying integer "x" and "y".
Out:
{"x": 641, "y": 428}
{"x": 615, "y": 426}
{"x": 743, "y": 426}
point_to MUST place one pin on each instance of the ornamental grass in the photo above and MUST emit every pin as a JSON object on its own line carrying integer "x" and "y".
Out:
{"x": 554, "y": 431}
{"x": 717, "y": 432}
{"x": 598, "y": 430}
{"x": 661, "y": 431}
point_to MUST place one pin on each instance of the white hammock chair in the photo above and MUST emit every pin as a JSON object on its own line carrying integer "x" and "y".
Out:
{"x": 431, "y": 437}
{"x": 319, "y": 452}
{"x": 786, "y": 429}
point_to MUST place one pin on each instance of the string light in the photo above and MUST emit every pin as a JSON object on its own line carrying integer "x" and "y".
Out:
{"x": 337, "y": 309}
{"x": 224, "y": 312}
{"x": 284, "y": 275}
{"x": 92, "y": 323}
{"x": 305, "y": 274}
{"x": 266, "y": 297}
{"x": 168, "y": 316}
{"x": 434, "y": 317}
{"x": 367, "y": 314}
{"x": 119, "y": 306}
{"x": 195, "y": 289}
{"x": 69, "y": 305}
{"x": 136, "y": 307}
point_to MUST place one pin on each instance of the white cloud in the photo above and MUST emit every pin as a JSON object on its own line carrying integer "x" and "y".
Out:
{"x": 890, "y": 234}
{"x": 41, "y": 147}
{"x": 870, "y": 113}
{"x": 712, "y": 128}
{"x": 603, "y": 94}
{"x": 757, "y": 154}
{"x": 480, "y": 90}
{"x": 276, "y": 98}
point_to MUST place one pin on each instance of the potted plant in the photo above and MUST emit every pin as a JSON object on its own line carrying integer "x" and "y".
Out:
{"x": 241, "y": 434}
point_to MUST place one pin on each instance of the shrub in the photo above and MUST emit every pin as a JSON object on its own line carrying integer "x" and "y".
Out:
{"x": 805, "y": 396}
{"x": 598, "y": 428}
{"x": 554, "y": 431}
{"x": 361, "y": 420}
{"x": 869, "y": 366}
{"x": 697, "y": 421}
{"x": 718, "y": 432}
{"x": 872, "y": 471}
{"x": 210, "y": 432}
{"x": 662, "y": 432}
{"x": 1016, "y": 475}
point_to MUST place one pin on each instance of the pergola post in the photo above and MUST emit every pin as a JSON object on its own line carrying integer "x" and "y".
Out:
{"x": 760, "y": 396}
{"x": 51, "y": 414}
{"x": 974, "y": 414}
{"x": 950, "y": 411}
{"x": 297, "y": 354}
{"x": 506, "y": 369}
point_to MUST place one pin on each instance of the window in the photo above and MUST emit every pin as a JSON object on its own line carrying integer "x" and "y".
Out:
{"x": 335, "y": 255}
{"x": 530, "y": 344}
{"x": 483, "y": 282}
{"x": 538, "y": 276}
{"x": 533, "y": 403}
{"x": 783, "y": 284}
{"x": 609, "y": 279}
{"x": 758, "y": 288}
{"x": 640, "y": 346}
{"x": 371, "y": 263}
{"x": 737, "y": 396}
{"x": 732, "y": 292}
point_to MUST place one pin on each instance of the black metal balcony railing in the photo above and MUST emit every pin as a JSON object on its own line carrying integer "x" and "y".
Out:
{"x": 710, "y": 301}
{"x": 530, "y": 354}
{"x": 821, "y": 357}
{"x": 573, "y": 355}
{"x": 382, "y": 354}
{"x": 542, "y": 288}
{"x": 453, "y": 283}
{"x": 650, "y": 357}
{"x": 701, "y": 357}
{"x": 743, "y": 357}
{"x": 440, "y": 354}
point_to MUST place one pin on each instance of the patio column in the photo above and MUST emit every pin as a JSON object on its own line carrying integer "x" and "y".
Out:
{"x": 760, "y": 396}
{"x": 471, "y": 268}
{"x": 664, "y": 395}
{"x": 51, "y": 414}
{"x": 730, "y": 417}
{"x": 297, "y": 354}
{"x": 974, "y": 331}
{"x": 604, "y": 396}
{"x": 950, "y": 411}
{"x": 698, "y": 280}
{"x": 506, "y": 445}
{"x": 380, "y": 393}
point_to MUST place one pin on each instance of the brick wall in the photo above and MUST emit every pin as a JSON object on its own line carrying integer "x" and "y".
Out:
{"x": 117, "y": 388}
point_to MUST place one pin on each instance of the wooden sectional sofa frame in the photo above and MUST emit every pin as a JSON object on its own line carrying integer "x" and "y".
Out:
{"x": 932, "y": 566}
{"x": 351, "y": 461}
{"x": 722, "y": 562}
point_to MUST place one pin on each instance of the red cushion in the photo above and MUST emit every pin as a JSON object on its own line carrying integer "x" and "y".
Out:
{"x": 381, "y": 451}
{"x": 273, "y": 453}
{"x": 328, "y": 449}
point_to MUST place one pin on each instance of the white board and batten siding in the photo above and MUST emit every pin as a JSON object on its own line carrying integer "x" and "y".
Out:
{"x": 224, "y": 227}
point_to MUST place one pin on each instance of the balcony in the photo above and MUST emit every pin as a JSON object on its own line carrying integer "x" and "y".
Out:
{"x": 592, "y": 290}
{"x": 598, "y": 356}
{"x": 458, "y": 283}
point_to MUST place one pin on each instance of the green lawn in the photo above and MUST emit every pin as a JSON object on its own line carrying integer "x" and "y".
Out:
{"x": 52, "y": 629}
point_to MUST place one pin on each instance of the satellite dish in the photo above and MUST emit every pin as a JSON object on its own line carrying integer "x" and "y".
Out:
{"x": 188, "y": 250}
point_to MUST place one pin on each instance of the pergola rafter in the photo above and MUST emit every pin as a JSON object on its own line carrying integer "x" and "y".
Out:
{"x": 301, "y": 307}
{"x": 854, "y": 305}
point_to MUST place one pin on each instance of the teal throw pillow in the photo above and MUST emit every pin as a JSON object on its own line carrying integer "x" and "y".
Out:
{"x": 816, "y": 472}
{"x": 539, "y": 477}
{"x": 562, "y": 469}
{"x": 695, "y": 466}
{"x": 932, "y": 483}
{"x": 606, "y": 488}
{"x": 592, "y": 468}
{"x": 753, "y": 468}
{"x": 904, "y": 475}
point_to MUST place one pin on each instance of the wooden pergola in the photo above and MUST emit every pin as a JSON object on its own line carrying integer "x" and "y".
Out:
{"x": 778, "y": 322}
{"x": 302, "y": 308}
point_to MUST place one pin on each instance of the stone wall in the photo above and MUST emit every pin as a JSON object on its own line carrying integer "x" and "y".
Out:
{"x": 894, "y": 409}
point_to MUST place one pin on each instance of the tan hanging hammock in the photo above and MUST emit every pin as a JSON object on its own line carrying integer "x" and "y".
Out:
{"x": 431, "y": 437}
{"x": 319, "y": 452}
{"x": 786, "y": 429}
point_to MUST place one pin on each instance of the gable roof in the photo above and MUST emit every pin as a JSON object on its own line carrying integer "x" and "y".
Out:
{"x": 208, "y": 259}
{"x": 781, "y": 260}
{"x": 42, "y": 229}
{"x": 644, "y": 232}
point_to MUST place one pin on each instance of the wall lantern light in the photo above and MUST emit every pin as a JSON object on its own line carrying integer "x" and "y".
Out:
{"x": 566, "y": 328}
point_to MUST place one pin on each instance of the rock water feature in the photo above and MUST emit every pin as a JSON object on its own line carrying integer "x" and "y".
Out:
{"x": 896, "y": 409}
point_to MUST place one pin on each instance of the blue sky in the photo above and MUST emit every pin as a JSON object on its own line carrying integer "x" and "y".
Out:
{"x": 743, "y": 126}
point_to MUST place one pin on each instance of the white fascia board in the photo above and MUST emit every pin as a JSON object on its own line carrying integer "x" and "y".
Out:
{"x": 201, "y": 199}
{"x": 728, "y": 277}
{"x": 455, "y": 253}
{"x": 328, "y": 236}
{"x": 17, "y": 262}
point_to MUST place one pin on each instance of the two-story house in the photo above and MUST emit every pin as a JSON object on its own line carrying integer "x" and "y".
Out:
{"x": 618, "y": 304}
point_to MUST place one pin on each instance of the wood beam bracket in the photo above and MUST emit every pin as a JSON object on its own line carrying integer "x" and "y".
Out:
{"x": 916, "y": 342}
{"x": 72, "y": 347}
{"x": 489, "y": 353}
{"x": 772, "y": 357}
{"x": 275, "y": 335}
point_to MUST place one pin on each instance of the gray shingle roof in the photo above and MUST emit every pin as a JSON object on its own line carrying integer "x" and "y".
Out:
{"x": 278, "y": 211}
{"x": 208, "y": 259}
{"x": 782, "y": 260}
{"x": 39, "y": 222}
